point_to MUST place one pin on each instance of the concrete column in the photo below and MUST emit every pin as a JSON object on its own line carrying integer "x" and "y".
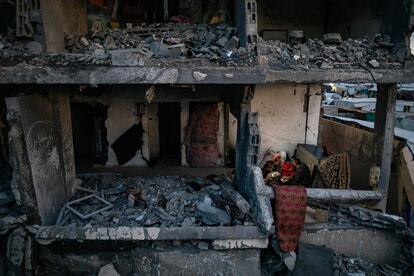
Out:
{"x": 185, "y": 118}
{"x": 60, "y": 17}
{"x": 74, "y": 16}
{"x": 38, "y": 154}
{"x": 63, "y": 123}
{"x": 384, "y": 132}
{"x": 52, "y": 18}
{"x": 153, "y": 131}
{"x": 242, "y": 136}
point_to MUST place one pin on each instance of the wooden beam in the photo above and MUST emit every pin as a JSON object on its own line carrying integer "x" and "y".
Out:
{"x": 384, "y": 132}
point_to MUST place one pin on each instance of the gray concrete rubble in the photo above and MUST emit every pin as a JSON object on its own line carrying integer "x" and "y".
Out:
{"x": 178, "y": 44}
{"x": 158, "y": 260}
{"x": 137, "y": 46}
{"x": 155, "y": 202}
{"x": 332, "y": 53}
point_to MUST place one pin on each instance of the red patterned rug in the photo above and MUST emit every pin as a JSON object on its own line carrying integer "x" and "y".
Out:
{"x": 289, "y": 212}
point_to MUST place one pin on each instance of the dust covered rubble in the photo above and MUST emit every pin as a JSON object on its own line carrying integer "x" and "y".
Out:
{"x": 330, "y": 53}
{"x": 142, "y": 45}
{"x": 174, "y": 44}
{"x": 159, "y": 201}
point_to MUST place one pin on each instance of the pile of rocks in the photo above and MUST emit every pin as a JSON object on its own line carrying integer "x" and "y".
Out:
{"x": 331, "y": 52}
{"x": 136, "y": 46}
{"x": 182, "y": 41}
{"x": 344, "y": 265}
{"x": 159, "y": 201}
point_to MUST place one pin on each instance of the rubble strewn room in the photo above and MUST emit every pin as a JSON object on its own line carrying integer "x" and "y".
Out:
{"x": 217, "y": 137}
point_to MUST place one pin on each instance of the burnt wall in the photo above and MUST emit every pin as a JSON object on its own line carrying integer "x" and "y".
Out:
{"x": 354, "y": 18}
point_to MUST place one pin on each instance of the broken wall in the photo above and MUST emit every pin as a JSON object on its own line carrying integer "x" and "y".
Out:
{"x": 132, "y": 107}
{"x": 283, "y": 120}
{"x": 42, "y": 173}
{"x": 354, "y": 19}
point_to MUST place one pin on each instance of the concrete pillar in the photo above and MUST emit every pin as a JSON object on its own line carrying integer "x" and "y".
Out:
{"x": 38, "y": 156}
{"x": 63, "y": 123}
{"x": 60, "y": 17}
{"x": 185, "y": 118}
{"x": 384, "y": 132}
{"x": 22, "y": 181}
{"x": 52, "y": 18}
{"x": 74, "y": 16}
{"x": 153, "y": 131}
{"x": 242, "y": 136}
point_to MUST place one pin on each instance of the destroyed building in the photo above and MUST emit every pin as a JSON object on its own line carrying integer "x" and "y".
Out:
{"x": 136, "y": 130}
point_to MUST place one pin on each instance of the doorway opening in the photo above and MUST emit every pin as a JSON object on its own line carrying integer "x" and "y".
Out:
{"x": 169, "y": 116}
{"x": 89, "y": 133}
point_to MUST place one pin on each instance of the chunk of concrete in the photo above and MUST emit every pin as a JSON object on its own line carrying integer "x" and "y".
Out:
{"x": 124, "y": 57}
{"x": 34, "y": 48}
{"x": 199, "y": 76}
{"x": 374, "y": 63}
{"x": 332, "y": 38}
{"x": 211, "y": 215}
{"x": 108, "y": 270}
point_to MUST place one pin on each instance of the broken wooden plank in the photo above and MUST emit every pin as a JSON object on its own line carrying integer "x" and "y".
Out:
{"x": 150, "y": 233}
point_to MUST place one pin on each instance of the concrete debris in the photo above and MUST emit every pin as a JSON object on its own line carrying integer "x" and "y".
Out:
{"x": 344, "y": 265}
{"x": 374, "y": 63}
{"x": 124, "y": 57}
{"x": 173, "y": 41}
{"x": 153, "y": 45}
{"x": 334, "y": 38}
{"x": 159, "y": 201}
{"x": 108, "y": 270}
{"x": 331, "y": 52}
{"x": 199, "y": 76}
{"x": 290, "y": 260}
{"x": 343, "y": 215}
{"x": 203, "y": 245}
{"x": 211, "y": 215}
{"x": 34, "y": 48}
{"x": 16, "y": 246}
{"x": 355, "y": 216}
{"x": 150, "y": 94}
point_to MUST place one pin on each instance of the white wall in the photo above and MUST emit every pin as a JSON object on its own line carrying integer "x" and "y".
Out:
{"x": 282, "y": 119}
{"x": 122, "y": 114}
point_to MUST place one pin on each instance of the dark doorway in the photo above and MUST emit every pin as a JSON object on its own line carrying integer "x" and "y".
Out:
{"x": 169, "y": 133}
{"x": 89, "y": 133}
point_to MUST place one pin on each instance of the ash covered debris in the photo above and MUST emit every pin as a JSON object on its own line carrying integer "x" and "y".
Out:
{"x": 138, "y": 46}
{"x": 332, "y": 52}
{"x": 202, "y": 44}
{"x": 163, "y": 201}
{"x": 344, "y": 265}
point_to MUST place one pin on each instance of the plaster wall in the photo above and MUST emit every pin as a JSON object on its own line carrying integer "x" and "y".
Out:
{"x": 282, "y": 117}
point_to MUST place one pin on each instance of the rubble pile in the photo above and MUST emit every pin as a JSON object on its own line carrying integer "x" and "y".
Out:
{"x": 359, "y": 216}
{"x": 331, "y": 52}
{"x": 136, "y": 46}
{"x": 179, "y": 41}
{"x": 344, "y": 265}
{"x": 10, "y": 216}
{"x": 343, "y": 215}
{"x": 160, "y": 201}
